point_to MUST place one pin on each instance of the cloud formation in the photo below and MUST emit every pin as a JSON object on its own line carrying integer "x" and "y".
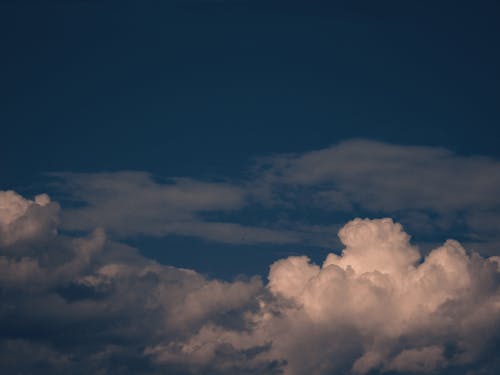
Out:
{"x": 128, "y": 204}
{"x": 92, "y": 305}
{"x": 383, "y": 176}
{"x": 305, "y": 197}
{"x": 22, "y": 219}
{"x": 430, "y": 189}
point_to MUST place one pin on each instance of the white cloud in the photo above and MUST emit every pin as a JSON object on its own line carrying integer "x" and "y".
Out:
{"x": 22, "y": 219}
{"x": 375, "y": 307}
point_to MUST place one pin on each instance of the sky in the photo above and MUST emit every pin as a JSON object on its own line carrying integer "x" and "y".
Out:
{"x": 249, "y": 187}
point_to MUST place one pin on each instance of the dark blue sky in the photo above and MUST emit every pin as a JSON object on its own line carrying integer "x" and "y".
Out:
{"x": 200, "y": 88}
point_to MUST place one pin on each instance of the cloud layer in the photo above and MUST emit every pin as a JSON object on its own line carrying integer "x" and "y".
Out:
{"x": 92, "y": 305}
{"x": 128, "y": 204}
{"x": 302, "y": 198}
{"x": 432, "y": 190}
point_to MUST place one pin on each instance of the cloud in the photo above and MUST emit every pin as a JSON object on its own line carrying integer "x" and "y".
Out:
{"x": 376, "y": 307}
{"x": 380, "y": 299}
{"x": 22, "y": 219}
{"x": 301, "y": 198}
{"x": 431, "y": 189}
{"x": 426, "y": 359}
{"x": 381, "y": 176}
{"x": 122, "y": 201}
{"x": 128, "y": 204}
{"x": 92, "y": 305}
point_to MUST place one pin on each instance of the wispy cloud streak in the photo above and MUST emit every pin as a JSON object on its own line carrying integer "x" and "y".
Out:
{"x": 302, "y": 198}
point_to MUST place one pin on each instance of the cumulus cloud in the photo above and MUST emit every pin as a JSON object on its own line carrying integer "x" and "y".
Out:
{"x": 92, "y": 305}
{"x": 22, "y": 219}
{"x": 400, "y": 312}
{"x": 377, "y": 307}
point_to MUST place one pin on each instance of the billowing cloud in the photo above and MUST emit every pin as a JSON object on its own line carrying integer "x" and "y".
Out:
{"x": 22, "y": 219}
{"x": 375, "y": 307}
{"x": 92, "y": 305}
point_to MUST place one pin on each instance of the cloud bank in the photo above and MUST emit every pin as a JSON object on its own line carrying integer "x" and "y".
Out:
{"x": 92, "y": 305}
{"x": 431, "y": 189}
{"x": 301, "y": 198}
